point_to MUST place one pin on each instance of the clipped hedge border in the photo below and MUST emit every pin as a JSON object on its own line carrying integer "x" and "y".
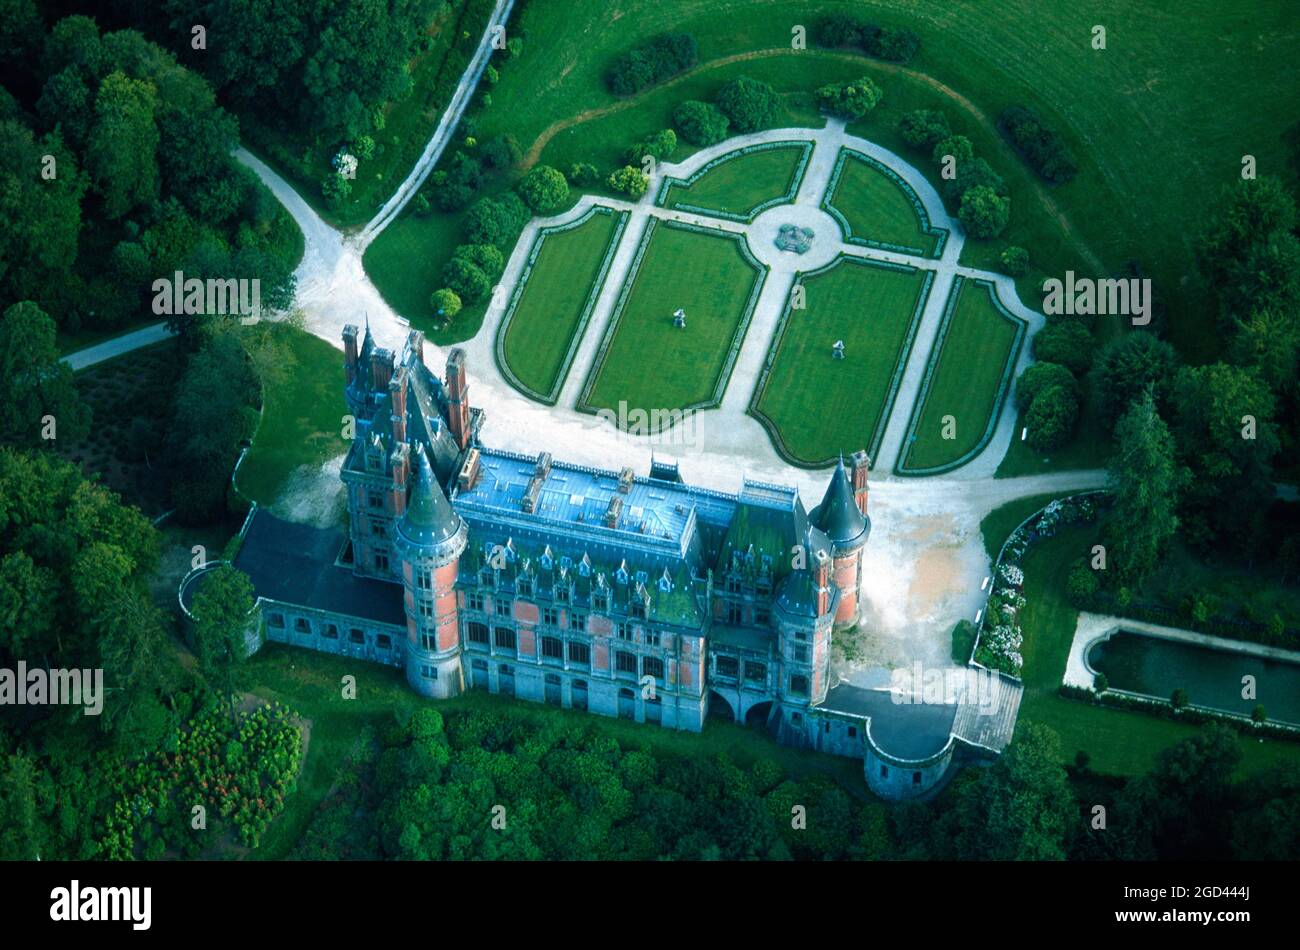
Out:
{"x": 1192, "y": 715}
{"x": 738, "y": 338}
{"x": 849, "y": 154}
{"x": 999, "y": 399}
{"x": 792, "y": 188}
{"x": 887, "y": 409}
{"x": 598, "y": 284}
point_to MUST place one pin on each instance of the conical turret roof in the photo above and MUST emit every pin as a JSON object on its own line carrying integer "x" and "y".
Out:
{"x": 429, "y": 517}
{"x": 838, "y": 515}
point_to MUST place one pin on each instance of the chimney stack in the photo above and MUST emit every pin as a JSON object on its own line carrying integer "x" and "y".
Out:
{"x": 350, "y": 352}
{"x": 458, "y": 397}
{"x": 861, "y": 466}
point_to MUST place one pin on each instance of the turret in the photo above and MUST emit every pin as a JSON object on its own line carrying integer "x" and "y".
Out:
{"x": 805, "y": 606}
{"x": 430, "y": 538}
{"x": 841, "y": 517}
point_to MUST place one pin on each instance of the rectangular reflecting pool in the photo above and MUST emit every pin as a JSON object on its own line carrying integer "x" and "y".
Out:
{"x": 1212, "y": 677}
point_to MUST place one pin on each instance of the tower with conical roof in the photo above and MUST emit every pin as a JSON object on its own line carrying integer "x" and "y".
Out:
{"x": 842, "y": 517}
{"x": 429, "y": 540}
{"x": 804, "y": 612}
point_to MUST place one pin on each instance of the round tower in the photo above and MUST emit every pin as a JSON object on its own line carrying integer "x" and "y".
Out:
{"x": 842, "y": 517}
{"x": 429, "y": 540}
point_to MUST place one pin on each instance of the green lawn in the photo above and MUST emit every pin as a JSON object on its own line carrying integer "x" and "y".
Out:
{"x": 1120, "y": 742}
{"x": 965, "y": 384}
{"x": 878, "y": 208}
{"x": 650, "y": 364}
{"x": 544, "y": 322}
{"x": 738, "y": 186}
{"x": 820, "y": 406}
{"x": 302, "y": 417}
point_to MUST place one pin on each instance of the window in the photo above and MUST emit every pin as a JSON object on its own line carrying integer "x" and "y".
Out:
{"x": 579, "y": 653}
{"x": 550, "y": 616}
{"x": 331, "y": 632}
{"x": 828, "y": 727}
{"x": 375, "y": 499}
{"x": 625, "y": 662}
{"x": 477, "y": 633}
{"x": 553, "y": 648}
{"x": 652, "y": 638}
{"x": 424, "y": 580}
{"x": 796, "y": 718}
{"x": 733, "y": 583}
{"x": 853, "y": 732}
{"x": 301, "y": 625}
{"x": 800, "y": 654}
{"x": 756, "y": 672}
{"x": 275, "y": 620}
{"x": 884, "y": 771}
{"x": 577, "y": 621}
{"x": 356, "y": 636}
{"x": 504, "y": 638}
{"x": 638, "y": 610}
{"x": 378, "y": 529}
{"x": 381, "y": 562}
{"x": 384, "y": 641}
{"x": 562, "y": 594}
{"x": 801, "y": 634}
{"x": 429, "y": 641}
{"x": 429, "y": 672}
{"x": 762, "y": 616}
{"x": 426, "y": 610}
{"x": 501, "y": 606}
{"x": 524, "y": 587}
{"x": 727, "y": 665}
{"x": 916, "y": 778}
{"x": 733, "y": 613}
{"x": 600, "y": 601}
{"x": 623, "y": 631}
{"x": 474, "y": 601}
{"x": 652, "y": 666}
{"x": 799, "y": 685}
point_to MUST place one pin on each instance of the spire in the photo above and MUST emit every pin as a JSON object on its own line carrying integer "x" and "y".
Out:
{"x": 429, "y": 517}
{"x": 838, "y": 515}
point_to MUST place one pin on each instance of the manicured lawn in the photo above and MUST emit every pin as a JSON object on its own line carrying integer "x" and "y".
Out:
{"x": 965, "y": 382}
{"x": 553, "y": 305}
{"x": 302, "y": 418}
{"x": 652, "y": 364}
{"x": 738, "y": 186}
{"x": 878, "y": 209}
{"x": 821, "y": 406}
{"x": 1000, "y": 522}
{"x": 1119, "y": 742}
{"x": 1089, "y": 447}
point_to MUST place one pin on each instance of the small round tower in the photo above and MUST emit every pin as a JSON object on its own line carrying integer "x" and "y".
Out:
{"x": 842, "y": 517}
{"x": 429, "y": 540}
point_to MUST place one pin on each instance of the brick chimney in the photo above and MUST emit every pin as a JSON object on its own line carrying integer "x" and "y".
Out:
{"x": 397, "y": 403}
{"x": 401, "y": 464}
{"x": 458, "y": 397}
{"x": 613, "y": 511}
{"x": 861, "y": 466}
{"x": 350, "y": 352}
{"x": 381, "y": 369}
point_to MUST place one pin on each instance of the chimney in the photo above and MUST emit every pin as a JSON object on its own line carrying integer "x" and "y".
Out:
{"x": 350, "y": 352}
{"x": 625, "y": 481}
{"x": 415, "y": 340}
{"x": 381, "y": 369}
{"x": 469, "y": 471}
{"x": 822, "y": 577}
{"x": 397, "y": 403}
{"x": 401, "y": 464}
{"x": 458, "y": 397}
{"x": 534, "y": 489}
{"x": 861, "y": 466}
{"x": 543, "y": 465}
{"x": 613, "y": 511}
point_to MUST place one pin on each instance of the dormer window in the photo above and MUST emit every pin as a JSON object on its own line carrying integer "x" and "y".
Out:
{"x": 600, "y": 600}
{"x": 525, "y": 587}
{"x": 562, "y": 593}
{"x": 638, "y": 610}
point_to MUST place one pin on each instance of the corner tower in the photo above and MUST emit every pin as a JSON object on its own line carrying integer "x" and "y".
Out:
{"x": 429, "y": 540}
{"x": 842, "y": 517}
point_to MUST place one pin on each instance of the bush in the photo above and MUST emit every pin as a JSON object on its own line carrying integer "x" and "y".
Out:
{"x": 466, "y": 280}
{"x": 849, "y": 100}
{"x": 963, "y": 641}
{"x": 749, "y": 104}
{"x": 1065, "y": 341}
{"x": 364, "y": 147}
{"x": 1101, "y": 682}
{"x": 485, "y": 257}
{"x": 958, "y": 146}
{"x": 1038, "y": 377}
{"x": 584, "y": 174}
{"x": 896, "y": 46}
{"x": 1014, "y": 261}
{"x": 496, "y": 220}
{"x": 454, "y": 186}
{"x": 658, "y": 146}
{"x": 1051, "y": 418}
{"x": 1082, "y": 583}
{"x": 984, "y": 213}
{"x": 544, "y": 189}
{"x": 838, "y": 29}
{"x": 501, "y": 152}
{"x": 1127, "y": 366}
{"x": 336, "y": 190}
{"x": 975, "y": 173}
{"x": 921, "y": 128}
{"x": 445, "y": 303}
{"x": 629, "y": 181}
{"x": 700, "y": 123}
{"x": 651, "y": 62}
{"x": 1041, "y": 148}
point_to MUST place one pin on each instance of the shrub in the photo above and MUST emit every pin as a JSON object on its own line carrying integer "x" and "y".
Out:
{"x": 1041, "y": 148}
{"x": 1065, "y": 341}
{"x": 466, "y": 279}
{"x": 700, "y": 123}
{"x": 658, "y": 146}
{"x": 921, "y": 128}
{"x": 584, "y": 174}
{"x": 486, "y": 257}
{"x": 501, "y": 152}
{"x": 629, "y": 181}
{"x": 850, "y": 100}
{"x": 749, "y": 104}
{"x": 838, "y": 29}
{"x": 651, "y": 62}
{"x": 364, "y": 147}
{"x": 894, "y": 45}
{"x": 958, "y": 146}
{"x": 963, "y": 641}
{"x": 984, "y": 213}
{"x": 1127, "y": 366}
{"x": 1014, "y": 261}
{"x": 1179, "y": 699}
{"x": 975, "y": 173}
{"x": 1038, "y": 377}
{"x": 1082, "y": 583}
{"x": 336, "y": 190}
{"x": 445, "y": 303}
{"x": 544, "y": 189}
{"x": 1051, "y": 418}
{"x": 496, "y": 220}
{"x": 1101, "y": 682}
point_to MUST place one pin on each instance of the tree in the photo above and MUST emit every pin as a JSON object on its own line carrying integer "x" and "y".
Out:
{"x": 501, "y": 152}
{"x": 1014, "y": 261}
{"x": 584, "y": 174}
{"x": 1269, "y": 341}
{"x": 1130, "y": 365}
{"x": 971, "y": 174}
{"x": 486, "y": 257}
{"x": 221, "y": 612}
{"x": 336, "y": 190}
{"x": 850, "y": 100}
{"x": 1146, "y": 480}
{"x": 1051, "y": 418}
{"x": 35, "y": 385}
{"x": 700, "y": 123}
{"x": 658, "y": 146}
{"x": 629, "y": 181}
{"x": 495, "y": 220}
{"x": 466, "y": 279}
{"x": 1066, "y": 341}
{"x": 749, "y": 104}
{"x": 984, "y": 213}
{"x": 544, "y": 189}
{"x": 1038, "y": 377}
{"x": 958, "y": 146}
{"x": 121, "y": 154}
{"x": 921, "y": 128}
{"x": 445, "y": 303}
{"x": 20, "y": 830}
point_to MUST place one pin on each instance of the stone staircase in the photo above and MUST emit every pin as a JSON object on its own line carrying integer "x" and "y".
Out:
{"x": 986, "y": 718}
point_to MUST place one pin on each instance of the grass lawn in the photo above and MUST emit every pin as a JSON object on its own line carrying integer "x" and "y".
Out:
{"x": 1089, "y": 447}
{"x": 650, "y": 364}
{"x": 1000, "y": 522}
{"x": 738, "y": 186}
{"x": 302, "y": 417}
{"x": 1120, "y": 742}
{"x": 821, "y": 406}
{"x": 878, "y": 209}
{"x": 540, "y": 330}
{"x": 965, "y": 382}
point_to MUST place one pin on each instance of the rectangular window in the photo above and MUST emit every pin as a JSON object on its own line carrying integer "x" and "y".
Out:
{"x": 625, "y": 662}
{"x": 356, "y": 636}
{"x": 525, "y": 587}
{"x": 477, "y": 633}
{"x": 916, "y": 778}
{"x": 331, "y": 632}
{"x": 762, "y": 616}
{"x": 378, "y": 529}
{"x": 426, "y": 609}
{"x": 502, "y": 606}
{"x": 799, "y": 685}
{"x": 652, "y": 666}
{"x": 623, "y": 630}
{"x": 429, "y": 642}
{"x": 733, "y": 613}
{"x": 375, "y": 499}
{"x": 561, "y": 595}
{"x": 504, "y": 638}
{"x": 579, "y": 653}
{"x": 638, "y": 610}
{"x": 275, "y": 620}
{"x": 652, "y": 638}
{"x": 301, "y": 625}
{"x": 801, "y": 654}
{"x": 755, "y": 672}
{"x": 577, "y": 621}
{"x": 424, "y": 580}
{"x": 600, "y": 601}
{"x": 853, "y": 732}
{"x": 550, "y": 616}
{"x": 801, "y": 634}
{"x": 727, "y": 666}
{"x": 381, "y": 562}
{"x": 474, "y": 601}
{"x": 429, "y": 672}
{"x": 553, "y": 648}
{"x": 733, "y": 583}
{"x": 384, "y": 641}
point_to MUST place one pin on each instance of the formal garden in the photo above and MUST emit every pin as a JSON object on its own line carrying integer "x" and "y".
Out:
{"x": 740, "y": 184}
{"x": 876, "y": 208}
